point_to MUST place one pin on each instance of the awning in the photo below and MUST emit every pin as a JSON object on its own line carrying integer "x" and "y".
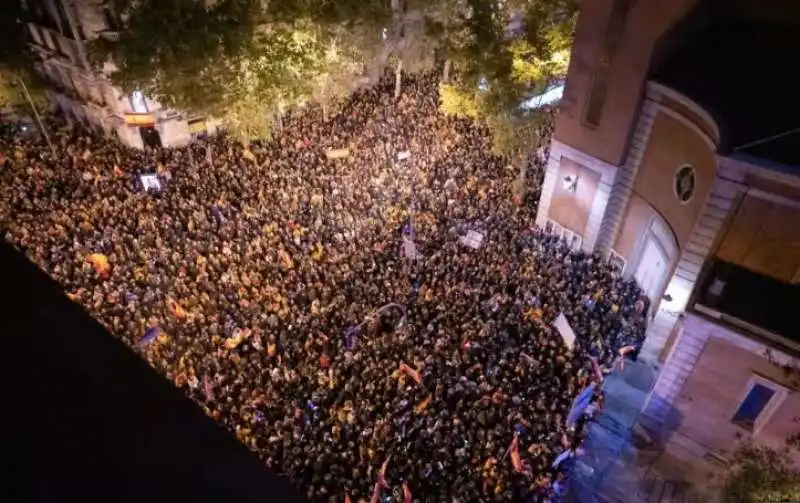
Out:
{"x": 197, "y": 126}
{"x": 140, "y": 119}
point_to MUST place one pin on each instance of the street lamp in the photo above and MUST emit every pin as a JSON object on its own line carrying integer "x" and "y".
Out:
{"x": 36, "y": 114}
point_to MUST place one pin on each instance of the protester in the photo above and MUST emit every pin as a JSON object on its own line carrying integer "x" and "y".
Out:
{"x": 250, "y": 276}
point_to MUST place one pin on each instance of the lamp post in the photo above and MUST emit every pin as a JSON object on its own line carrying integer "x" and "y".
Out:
{"x": 36, "y": 114}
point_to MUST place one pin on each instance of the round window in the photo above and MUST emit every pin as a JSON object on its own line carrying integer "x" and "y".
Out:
{"x": 684, "y": 183}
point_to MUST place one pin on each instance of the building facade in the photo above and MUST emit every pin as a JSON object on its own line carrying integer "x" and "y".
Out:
{"x": 651, "y": 166}
{"x": 59, "y": 31}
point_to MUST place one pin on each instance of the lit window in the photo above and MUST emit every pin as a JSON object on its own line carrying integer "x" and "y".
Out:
{"x": 761, "y": 398}
{"x": 138, "y": 103}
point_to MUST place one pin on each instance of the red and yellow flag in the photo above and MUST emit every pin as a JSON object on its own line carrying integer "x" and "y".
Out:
{"x": 407, "y": 497}
{"x": 410, "y": 372}
{"x": 423, "y": 404}
{"x": 176, "y": 310}
{"x": 516, "y": 461}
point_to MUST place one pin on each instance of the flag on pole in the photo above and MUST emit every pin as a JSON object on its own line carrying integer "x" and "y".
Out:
{"x": 382, "y": 473}
{"x": 516, "y": 460}
{"x": 423, "y": 404}
{"x": 410, "y": 372}
{"x": 407, "y": 497}
{"x": 176, "y": 309}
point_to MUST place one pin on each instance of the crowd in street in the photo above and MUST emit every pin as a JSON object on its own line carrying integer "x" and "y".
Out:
{"x": 252, "y": 276}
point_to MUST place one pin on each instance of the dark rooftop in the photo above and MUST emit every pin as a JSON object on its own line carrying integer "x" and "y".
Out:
{"x": 738, "y": 61}
{"x": 86, "y": 419}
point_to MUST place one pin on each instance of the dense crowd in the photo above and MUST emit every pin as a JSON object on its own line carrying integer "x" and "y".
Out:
{"x": 252, "y": 277}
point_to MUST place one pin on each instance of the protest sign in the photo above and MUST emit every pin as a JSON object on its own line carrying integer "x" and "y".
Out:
{"x": 150, "y": 182}
{"x": 562, "y": 325}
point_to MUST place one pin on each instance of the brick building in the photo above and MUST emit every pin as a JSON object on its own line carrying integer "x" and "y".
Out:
{"x": 59, "y": 31}
{"x": 673, "y": 157}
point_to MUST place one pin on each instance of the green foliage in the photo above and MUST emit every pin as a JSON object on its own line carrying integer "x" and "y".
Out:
{"x": 761, "y": 475}
{"x": 458, "y": 102}
{"x": 517, "y": 65}
{"x": 16, "y": 61}
{"x": 240, "y": 60}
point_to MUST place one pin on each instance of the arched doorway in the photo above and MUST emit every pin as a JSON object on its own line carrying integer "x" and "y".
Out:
{"x": 656, "y": 253}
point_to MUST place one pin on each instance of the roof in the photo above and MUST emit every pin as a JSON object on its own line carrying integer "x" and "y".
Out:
{"x": 741, "y": 69}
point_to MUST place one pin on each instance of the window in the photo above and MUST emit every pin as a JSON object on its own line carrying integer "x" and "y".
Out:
{"x": 111, "y": 19}
{"x": 615, "y": 29}
{"x": 617, "y": 261}
{"x": 597, "y": 96}
{"x": 66, "y": 26}
{"x": 760, "y": 399}
{"x": 572, "y": 239}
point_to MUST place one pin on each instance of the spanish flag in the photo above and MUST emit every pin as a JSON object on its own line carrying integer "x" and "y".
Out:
{"x": 316, "y": 252}
{"x": 534, "y": 314}
{"x": 407, "y": 498}
{"x": 410, "y": 372}
{"x": 176, "y": 309}
{"x": 516, "y": 461}
{"x": 286, "y": 259}
{"x": 382, "y": 473}
{"x": 423, "y": 404}
{"x": 100, "y": 263}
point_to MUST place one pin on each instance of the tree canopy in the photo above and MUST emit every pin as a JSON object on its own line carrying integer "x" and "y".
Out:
{"x": 761, "y": 475}
{"x": 241, "y": 60}
{"x": 16, "y": 63}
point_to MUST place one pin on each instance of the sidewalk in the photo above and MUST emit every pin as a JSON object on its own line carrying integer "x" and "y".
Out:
{"x": 619, "y": 466}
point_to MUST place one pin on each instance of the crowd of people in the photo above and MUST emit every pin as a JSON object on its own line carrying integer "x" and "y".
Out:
{"x": 253, "y": 278}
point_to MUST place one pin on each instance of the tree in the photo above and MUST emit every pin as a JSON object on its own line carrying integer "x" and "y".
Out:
{"x": 17, "y": 62}
{"x": 232, "y": 59}
{"x": 505, "y": 54}
{"x": 763, "y": 474}
{"x": 335, "y": 78}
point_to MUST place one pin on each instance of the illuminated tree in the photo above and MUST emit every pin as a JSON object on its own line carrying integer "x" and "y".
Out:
{"x": 506, "y": 54}
{"x": 760, "y": 474}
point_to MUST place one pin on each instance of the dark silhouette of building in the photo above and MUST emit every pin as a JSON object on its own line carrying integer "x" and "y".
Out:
{"x": 85, "y": 419}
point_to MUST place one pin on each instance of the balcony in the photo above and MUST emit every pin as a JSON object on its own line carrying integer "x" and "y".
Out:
{"x": 757, "y": 303}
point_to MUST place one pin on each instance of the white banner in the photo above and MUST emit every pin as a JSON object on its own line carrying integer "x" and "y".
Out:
{"x": 150, "y": 182}
{"x": 410, "y": 248}
{"x": 337, "y": 153}
{"x": 562, "y": 325}
{"x": 402, "y": 156}
{"x": 473, "y": 240}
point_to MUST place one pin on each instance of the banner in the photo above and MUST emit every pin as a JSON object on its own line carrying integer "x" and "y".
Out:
{"x": 409, "y": 248}
{"x": 473, "y": 240}
{"x": 402, "y": 156}
{"x": 562, "y": 325}
{"x": 150, "y": 182}
{"x": 337, "y": 153}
